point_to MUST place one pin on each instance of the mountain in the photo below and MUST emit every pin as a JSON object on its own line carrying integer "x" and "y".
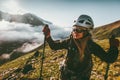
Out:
{"x": 27, "y": 18}
{"x": 19, "y": 37}
{"x": 105, "y": 31}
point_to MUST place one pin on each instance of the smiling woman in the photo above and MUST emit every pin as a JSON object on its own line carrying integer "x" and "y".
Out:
{"x": 13, "y": 7}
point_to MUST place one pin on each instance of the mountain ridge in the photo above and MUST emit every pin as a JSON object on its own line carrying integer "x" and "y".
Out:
{"x": 105, "y": 31}
{"x": 26, "y": 18}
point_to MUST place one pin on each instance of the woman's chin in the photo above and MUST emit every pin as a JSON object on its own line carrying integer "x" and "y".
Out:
{"x": 75, "y": 37}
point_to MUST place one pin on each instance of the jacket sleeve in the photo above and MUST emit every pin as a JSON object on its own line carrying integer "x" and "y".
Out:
{"x": 109, "y": 56}
{"x": 59, "y": 44}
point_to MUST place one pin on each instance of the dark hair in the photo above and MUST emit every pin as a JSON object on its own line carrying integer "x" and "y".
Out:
{"x": 86, "y": 33}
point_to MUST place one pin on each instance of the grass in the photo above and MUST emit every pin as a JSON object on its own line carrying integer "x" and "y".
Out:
{"x": 51, "y": 66}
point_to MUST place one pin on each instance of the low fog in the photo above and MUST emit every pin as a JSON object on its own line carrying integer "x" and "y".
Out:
{"x": 27, "y": 36}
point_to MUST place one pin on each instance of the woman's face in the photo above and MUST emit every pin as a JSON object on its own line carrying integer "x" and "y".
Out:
{"x": 78, "y": 32}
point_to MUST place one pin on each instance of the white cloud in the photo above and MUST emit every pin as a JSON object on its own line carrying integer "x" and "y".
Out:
{"x": 20, "y": 31}
{"x": 12, "y": 6}
{"x": 16, "y": 31}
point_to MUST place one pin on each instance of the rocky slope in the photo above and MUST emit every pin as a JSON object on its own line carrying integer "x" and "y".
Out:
{"x": 106, "y": 31}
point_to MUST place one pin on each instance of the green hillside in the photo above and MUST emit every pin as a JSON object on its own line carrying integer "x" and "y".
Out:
{"x": 16, "y": 69}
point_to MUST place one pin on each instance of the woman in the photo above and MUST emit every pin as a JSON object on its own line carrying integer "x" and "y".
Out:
{"x": 80, "y": 46}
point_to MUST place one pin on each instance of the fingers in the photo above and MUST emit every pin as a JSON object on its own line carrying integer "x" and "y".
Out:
{"x": 46, "y": 30}
{"x": 46, "y": 27}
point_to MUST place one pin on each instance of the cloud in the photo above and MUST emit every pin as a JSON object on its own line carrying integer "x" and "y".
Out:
{"x": 12, "y": 6}
{"x": 16, "y": 31}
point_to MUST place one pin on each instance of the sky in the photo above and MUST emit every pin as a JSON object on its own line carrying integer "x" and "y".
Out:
{"x": 63, "y": 12}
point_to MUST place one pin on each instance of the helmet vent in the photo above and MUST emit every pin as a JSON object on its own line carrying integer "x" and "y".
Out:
{"x": 81, "y": 21}
{"x": 89, "y": 20}
{"x": 88, "y": 23}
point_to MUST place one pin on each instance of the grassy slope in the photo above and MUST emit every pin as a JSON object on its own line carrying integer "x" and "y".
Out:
{"x": 51, "y": 68}
{"x": 105, "y": 31}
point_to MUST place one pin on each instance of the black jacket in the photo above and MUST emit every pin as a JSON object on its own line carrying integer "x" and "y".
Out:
{"x": 92, "y": 48}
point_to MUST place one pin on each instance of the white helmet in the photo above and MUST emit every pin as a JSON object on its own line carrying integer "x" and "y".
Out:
{"x": 84, "y": 21}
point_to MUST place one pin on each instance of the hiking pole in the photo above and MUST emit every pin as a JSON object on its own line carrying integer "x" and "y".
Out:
{"x": 42, "y": 59}
{"x": 107, "y": 69}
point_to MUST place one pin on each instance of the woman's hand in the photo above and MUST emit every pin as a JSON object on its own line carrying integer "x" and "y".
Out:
{"x": 114, "y": 42}
{"x": 46, "y": 31}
